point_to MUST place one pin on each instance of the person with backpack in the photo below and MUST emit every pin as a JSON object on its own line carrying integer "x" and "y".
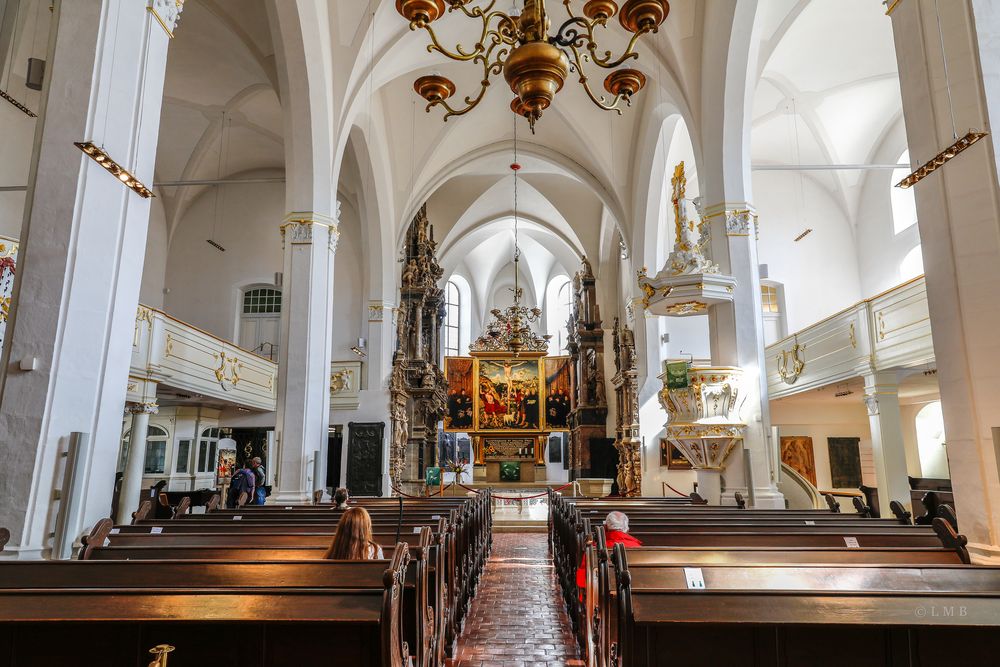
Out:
{"x": 242, "y": 481}
{"x": 260, "y": 480}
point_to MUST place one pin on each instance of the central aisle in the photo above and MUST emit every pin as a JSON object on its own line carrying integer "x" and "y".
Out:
{"x": 517, "y": 617}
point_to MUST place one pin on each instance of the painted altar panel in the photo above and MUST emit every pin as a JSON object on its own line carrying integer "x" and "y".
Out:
{"x": 797, "y": 453}
{"x": 558, "y": 392}
{"x": 460, "y": 414}
{"x": 509, "y": 395}
{"x": 8, "y": 265}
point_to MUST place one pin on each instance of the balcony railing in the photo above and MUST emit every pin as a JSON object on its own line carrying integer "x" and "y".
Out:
{"x": 890, "y": 330}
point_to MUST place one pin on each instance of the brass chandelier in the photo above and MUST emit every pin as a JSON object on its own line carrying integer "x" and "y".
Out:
{"x": 534, "y": 63}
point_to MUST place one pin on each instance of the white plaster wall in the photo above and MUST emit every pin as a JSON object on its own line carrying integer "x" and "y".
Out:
{"x": 880, "y": 249}
{"x": 155, "y": 266}
{"x": 18, "y": 132}
{"x": 204, "y": 283}
{"x": 824, "y": 262}
{"x": 349, "y": 322}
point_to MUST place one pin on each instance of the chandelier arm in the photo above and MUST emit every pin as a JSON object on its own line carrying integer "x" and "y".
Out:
{"x": 599, "y": 101}
{"x": 506, "y": 30}
{"x": 569, "y": 9}
{"x": 606, "y": 61}
{"x": 491, "y": 66}
{"x": 460, "y": 55}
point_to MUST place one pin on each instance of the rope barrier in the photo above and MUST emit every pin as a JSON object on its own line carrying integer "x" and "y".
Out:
{"x": 429, "y": 495}
{"x": 682, "y": 495}
{"x": 539, "y": 495}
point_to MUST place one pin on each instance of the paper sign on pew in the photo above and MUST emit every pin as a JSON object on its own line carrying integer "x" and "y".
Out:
{"x": 238, "y": 517}
{"x": 156, "y": 530}
{"x": 695, "y": 578}
{"x": 852, "y": 543}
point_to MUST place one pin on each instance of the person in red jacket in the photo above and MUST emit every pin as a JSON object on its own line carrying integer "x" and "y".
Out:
{"x": 615, "y": 532}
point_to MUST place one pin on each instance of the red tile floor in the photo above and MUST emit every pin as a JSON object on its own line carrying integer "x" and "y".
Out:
{"x": 517, "y": 618}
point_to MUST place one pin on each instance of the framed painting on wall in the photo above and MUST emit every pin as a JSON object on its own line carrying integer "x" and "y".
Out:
{"x": 459, "y": 415}
{"x": 797, "y": 453}
{"x": 558, "y": 393}
{"x": 509, "y": 396}
{"x": 845, "y": 462}
{"x": 671, "y": 457}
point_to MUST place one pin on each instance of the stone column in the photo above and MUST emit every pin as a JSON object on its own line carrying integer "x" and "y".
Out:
{"x": 882, "y": 401}
{"x": 309, "y": 241}
{"x": 83, "y": 243}
{"x": 958, "y": 209}
{"x": 737, "y": 332}
{"x": 381, "y": 343}
{"x": 132, "y": 481}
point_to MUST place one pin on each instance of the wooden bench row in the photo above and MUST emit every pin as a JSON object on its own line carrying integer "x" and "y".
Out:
{"x": 254, "y": 583}
{"x": 844, "y": 548}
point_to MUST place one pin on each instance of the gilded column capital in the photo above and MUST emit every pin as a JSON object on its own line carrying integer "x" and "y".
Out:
{"x": 167, "y": 13}
{"x": 148, "y": 407}
{"x": 740, "y": 218}
{"x": 300, "y": 228}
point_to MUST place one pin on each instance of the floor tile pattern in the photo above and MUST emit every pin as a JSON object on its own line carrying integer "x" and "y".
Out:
{"x": 517, "y": 618}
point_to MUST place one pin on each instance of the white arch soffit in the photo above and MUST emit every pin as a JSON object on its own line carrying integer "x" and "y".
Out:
{"x": 376, "y": 226}
{"x": 564, "y": 249}
{"x": 483, "y": 210}
{"x": 651, "y": 189}
{"x": 536, "y": 260}
{"x": 728, "y": 83}
{"x": 567, "y": 166}
{"x": 543, "y": 256}
{"x": 300, "y": 32}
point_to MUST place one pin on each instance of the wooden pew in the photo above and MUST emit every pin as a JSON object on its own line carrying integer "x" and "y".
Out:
{"x": 599, "y": 632}
{"x": 773, "y": 615}
{"x": 220, "y": 614}
{"x": 427, "y": 614}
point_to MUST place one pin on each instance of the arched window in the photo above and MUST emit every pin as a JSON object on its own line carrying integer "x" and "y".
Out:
{"x": 208, "y": 447}
{"x": 912, "y": 265}
{"x": 260, "y": 320}
{"x": 155, "y": 461}
{"x": 558, "y": 302}
{"x": 930, "y": 441}
{"x": 904, "y": 205}
{"x": 452, "y": 319}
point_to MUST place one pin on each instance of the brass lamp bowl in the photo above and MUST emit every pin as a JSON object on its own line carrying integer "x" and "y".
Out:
{"x": 643, "y": 15}
{"x": 600, "y": 9}
{"x": 420, "y": 12}
{"x": 434, "y": 88}
{"x": 535, "y": 72}
{"x": 625, "y": 82}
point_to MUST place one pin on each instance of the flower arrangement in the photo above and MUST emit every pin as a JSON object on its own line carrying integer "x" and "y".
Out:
{"x": 456, "y": 466}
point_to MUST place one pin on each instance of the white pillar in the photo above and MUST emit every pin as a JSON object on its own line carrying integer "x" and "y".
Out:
{"x": 737, "y": 337}
{"x": 303, "y": 420}
{"x": 882, "y": 401}
{"x": 134, "y": 466}
{"x": 82, "y": 247}
{"x": 958, "y": 209}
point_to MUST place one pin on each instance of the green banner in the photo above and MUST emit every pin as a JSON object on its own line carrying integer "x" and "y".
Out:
{"x": 677, "y": 374}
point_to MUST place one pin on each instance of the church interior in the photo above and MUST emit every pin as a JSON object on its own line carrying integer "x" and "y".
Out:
{"x": 638, "y": 333}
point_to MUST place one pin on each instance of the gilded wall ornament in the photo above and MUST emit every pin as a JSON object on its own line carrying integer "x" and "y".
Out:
{"x": 687, "y": 308}
{"x": 790, "y": 375}
{"x": 167, "y": 14}
{"x": 341, "y": 381}
{"x": 740, "y": 222}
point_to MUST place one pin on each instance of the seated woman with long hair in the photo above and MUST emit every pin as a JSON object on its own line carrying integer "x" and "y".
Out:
{"x": 353, "y": 539}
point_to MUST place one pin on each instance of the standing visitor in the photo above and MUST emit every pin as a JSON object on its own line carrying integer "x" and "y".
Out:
{"x": 260, "y": 479}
